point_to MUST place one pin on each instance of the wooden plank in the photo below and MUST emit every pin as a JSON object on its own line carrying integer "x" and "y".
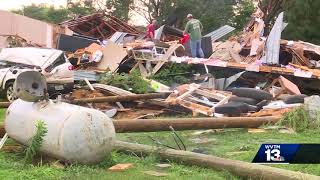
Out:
{"x": 225, "y": 100}
{"x": 289, "y": 86}
{"x": 196, "y": 107}
{"x": 143, "y": 70}
{"x": 190, "y": 91}
{"x": 235, "y": 55}
{"x": 213, "y": 95}
{"x": 112, "y": 57}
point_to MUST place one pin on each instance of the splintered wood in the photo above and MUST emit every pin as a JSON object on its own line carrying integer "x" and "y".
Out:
{"x": 286, "y": 86}
{"x": 271, "y": 112}
{"x": 198, "y": 100}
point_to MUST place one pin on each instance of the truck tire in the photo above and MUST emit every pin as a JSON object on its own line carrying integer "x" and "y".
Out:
{"x": 232, "y": 108}
{"x": 263, "y": 103}
{"x": 9, "y": 92}
{"x": 295, "y": 99}
{"x": 244, "y": 100}
{"x": 252, "y": 93}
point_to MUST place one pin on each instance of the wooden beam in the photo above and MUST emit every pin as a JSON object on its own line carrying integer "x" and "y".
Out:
{"x": 113, "y": 99}
{"x": 179, "y": 124}
{"x": 239, "y": 168}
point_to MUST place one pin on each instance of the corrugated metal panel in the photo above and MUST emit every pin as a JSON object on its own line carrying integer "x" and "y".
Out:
{"x": 117, "y": 37}
{"x": 219, "y": 33}
{"x": 158, "y": 33}
{"x": 273, "y": 42}
{"x": 90, "y": 75}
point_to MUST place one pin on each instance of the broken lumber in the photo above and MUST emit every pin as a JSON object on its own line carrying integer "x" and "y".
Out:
{"x": 112, "y": 99}
{"x": 153, "y": 125}
{"x": 239, "y": 168}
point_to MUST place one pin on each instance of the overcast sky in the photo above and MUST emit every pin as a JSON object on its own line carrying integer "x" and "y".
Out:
{"x": 16, "y": 4}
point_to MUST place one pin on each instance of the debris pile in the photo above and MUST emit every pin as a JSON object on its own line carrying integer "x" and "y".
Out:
{"x": 98, "y": 25}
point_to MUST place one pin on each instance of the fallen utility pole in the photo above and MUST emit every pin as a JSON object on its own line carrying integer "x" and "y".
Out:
{"x": 4, "y": 104}
{"x": 242, "y": 169}
{"x": 112, "y": 99}
{"x": 153, "y": 125}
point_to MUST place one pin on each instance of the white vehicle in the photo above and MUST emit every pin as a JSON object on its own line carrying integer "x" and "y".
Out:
{"x": 50, "y": 62}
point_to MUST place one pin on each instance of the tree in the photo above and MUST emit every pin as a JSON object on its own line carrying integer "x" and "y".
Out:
{"x": 304, "y": 22}
{"x": 55, "y": 15}
{"x": 120, "y": 8}
{"x": 243, "y": 12}
{"x": 211, "y": 13}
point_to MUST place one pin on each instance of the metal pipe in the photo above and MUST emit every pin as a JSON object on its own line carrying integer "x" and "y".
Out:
{"x": 111, "y": 99}
{"x": 153, "y": 125}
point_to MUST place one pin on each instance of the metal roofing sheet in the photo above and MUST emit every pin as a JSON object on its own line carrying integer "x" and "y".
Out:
{"x": 273, "y": 42}
{"x": 219, "y": 33}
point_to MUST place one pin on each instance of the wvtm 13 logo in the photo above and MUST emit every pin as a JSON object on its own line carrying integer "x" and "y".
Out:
{"x": 275, "y": 153}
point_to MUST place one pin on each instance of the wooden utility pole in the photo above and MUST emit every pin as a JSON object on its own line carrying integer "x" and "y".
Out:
{"x": 153, "y": 125}
{"x": 239, "y": 168}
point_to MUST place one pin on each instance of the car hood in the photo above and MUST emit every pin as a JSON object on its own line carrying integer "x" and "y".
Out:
{"x": 30, "y": 56}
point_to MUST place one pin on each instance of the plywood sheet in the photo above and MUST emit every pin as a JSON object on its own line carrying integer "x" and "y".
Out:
{"x": 112, "y": 57}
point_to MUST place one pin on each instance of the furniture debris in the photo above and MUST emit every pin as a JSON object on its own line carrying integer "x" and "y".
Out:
{"x": 197, "y": 99}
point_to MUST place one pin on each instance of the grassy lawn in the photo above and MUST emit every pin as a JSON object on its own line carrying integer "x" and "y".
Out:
{"x": 234, "y": 144}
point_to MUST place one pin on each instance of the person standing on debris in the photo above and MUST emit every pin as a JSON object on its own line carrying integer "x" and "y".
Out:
{"x": 194, "y": 28}
{"x": 151, "y": 30}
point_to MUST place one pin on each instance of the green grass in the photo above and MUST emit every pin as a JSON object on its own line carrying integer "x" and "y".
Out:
{"x": 233, "y": 144}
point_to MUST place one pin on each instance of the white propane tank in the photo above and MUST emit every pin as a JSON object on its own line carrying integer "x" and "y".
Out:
{"x": 75, "y": 133}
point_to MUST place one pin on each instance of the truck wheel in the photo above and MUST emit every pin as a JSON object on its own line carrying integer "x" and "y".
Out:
{"x": 252, "y": 93}
{"x": 295, "y": 99}
{"x": 249, "y": 101}
{"x": 10, "y": 92}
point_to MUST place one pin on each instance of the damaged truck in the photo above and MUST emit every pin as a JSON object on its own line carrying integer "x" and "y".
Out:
{"x": 51, "y": 63}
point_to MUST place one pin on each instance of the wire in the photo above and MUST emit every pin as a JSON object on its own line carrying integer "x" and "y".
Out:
{"x": 159, "y": 143}
{"x": 176, "y": 135}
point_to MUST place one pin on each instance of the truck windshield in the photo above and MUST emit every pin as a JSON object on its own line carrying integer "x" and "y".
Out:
{"x": 7, "y": 64}
{"x": 60, "y": 60}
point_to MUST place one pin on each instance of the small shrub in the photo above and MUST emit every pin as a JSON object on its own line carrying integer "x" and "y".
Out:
{"x": 174, "y": 73}
{"x": 299, "y": 120}
{"x": 36, "y": 141}
{"x": 131, "y": 82}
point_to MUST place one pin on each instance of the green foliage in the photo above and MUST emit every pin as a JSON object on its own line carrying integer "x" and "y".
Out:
{"x": 303, "y": 17}
{"x": 299, "y": 120}
{"x": 174, "y": 73}
{"x": 130, "y": 82}
{"x": 36, "y": 141}
{"x": 244, "y": 11}
{"x": 55, "y": 15}
{"x": 120, "y": 8}
{"x": 212, "y": 14}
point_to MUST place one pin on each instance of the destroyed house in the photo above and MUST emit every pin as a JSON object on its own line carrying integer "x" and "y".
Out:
{"x": 98, "y": 25}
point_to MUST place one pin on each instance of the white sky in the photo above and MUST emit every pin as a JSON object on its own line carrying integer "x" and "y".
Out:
{"x": 16, "y": 4}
